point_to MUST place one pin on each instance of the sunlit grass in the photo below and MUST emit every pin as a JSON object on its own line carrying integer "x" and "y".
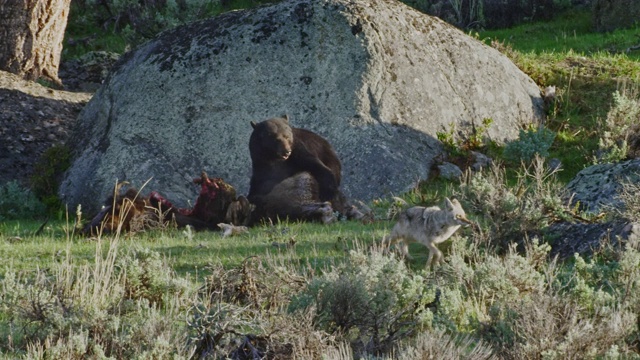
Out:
{"x": 570, "y": 32}
{"x": 309, "y": 244}
{"x": 586, "y": 68}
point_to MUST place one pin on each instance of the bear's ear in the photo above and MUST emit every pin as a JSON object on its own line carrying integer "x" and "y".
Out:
{"x": 285, "y": 117}
{"x": 253, "y": 124}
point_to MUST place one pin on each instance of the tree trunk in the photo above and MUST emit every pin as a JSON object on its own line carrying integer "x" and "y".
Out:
{"x": 31, "y": 37}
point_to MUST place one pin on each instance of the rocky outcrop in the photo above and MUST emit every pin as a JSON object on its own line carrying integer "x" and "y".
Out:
{"x": 376, "y": 78}
{"x": 569, "y": 239}
{"x": 596, "y": 188}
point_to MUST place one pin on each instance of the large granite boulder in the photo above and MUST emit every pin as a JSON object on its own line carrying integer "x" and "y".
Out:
{"x": 376, "y": 78}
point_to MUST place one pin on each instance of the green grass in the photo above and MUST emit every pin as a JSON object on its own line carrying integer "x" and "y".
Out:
{"x": 586, "y": 67}
{"x": 482, "y": 290}
{"x": 316, "y": 245}
{"x": 570, "y": 32}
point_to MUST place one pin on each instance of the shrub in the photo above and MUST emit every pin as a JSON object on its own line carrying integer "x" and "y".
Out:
{"x": 529, "y": 144}
{"x": 238, "y": 315}
{"x": 528, "y": 307}
{"x": 619, "y": 127}
{"x": 475, "y": 282}
{"x": 79, "y": 312}
{"x": 440, "y": 345}
{"x": 147, "y": 275}
{"x": 213, "y": 325}
{"x": 372, "y": 299}
{"x": 581, "y": 312}
{"x": 550, "y": 326}
{"x": 138, "y": 21}
{"x": 531, "y": 204}
{"x": 628, "y": 195}
{"x": 17, "y": 202}
{"x": 145, "y": 19}
{"x": 461, "y": 144}
{"x": 47, "y": 174}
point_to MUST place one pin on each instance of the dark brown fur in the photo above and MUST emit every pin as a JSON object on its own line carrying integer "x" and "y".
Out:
{"x": 295, "y": 173}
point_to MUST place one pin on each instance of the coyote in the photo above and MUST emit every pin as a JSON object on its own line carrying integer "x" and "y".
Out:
{"x": 427, "y": 226}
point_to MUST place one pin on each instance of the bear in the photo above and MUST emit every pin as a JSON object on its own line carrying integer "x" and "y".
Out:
{"x": 291, "y": 168}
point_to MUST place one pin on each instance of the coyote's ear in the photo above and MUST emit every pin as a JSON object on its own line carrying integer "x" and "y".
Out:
{"x": 448, "y": 203}
{"x": 425, "y": 215}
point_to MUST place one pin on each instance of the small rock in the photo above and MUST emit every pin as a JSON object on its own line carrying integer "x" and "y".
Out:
{"x": 450, "y": 171}
{"x": 555, "y": 164}
{"x": 480, "y": 161}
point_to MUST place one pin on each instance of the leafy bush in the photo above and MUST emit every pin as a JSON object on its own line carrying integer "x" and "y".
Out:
{"x": 529, "y": 144}
{"x": 238, "y": 315}
{"x": 461, "y": 144}
{"x": 148, "y": 276}
{"x": 373, "y": 299}
{"x": 628, "y": 194}
{"x": 47, "y": 174}
{"x": 145, "y": 19}
{"x": 85, "y": 311}
{"x": 621, "y": 124}
{"x": 551, "y": 327}
{"x": 528, "y": 307}
{"x": 17, "y": 202}
{"x": 440, "y": 345}
{"x": 213, "y": 325}
{"x": 584, "y": 311}
{"x": 138, "y": 21}
{"x": 511, "y": 211}
{"x": 475, "y": 281}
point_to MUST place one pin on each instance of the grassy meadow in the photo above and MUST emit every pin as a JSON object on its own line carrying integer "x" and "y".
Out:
{"x": 310, "y": 291}
{"x": 188, "y": 251}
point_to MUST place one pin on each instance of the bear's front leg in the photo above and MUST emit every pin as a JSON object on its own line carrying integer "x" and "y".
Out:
{"x": 327, "y": 185}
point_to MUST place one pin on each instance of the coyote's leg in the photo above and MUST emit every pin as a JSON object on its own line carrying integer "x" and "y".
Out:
{"x": 433, "y": 251}
{"x": 394, "y": 239}
{"x": 404, "y": 249}
{"x": 388, "y": 240}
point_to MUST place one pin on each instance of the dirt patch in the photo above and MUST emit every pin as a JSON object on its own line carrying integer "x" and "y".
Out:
{"x": 33, "y": 118}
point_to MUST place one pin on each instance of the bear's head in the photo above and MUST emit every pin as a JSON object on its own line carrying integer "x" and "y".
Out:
{"x": 271, "y": 139}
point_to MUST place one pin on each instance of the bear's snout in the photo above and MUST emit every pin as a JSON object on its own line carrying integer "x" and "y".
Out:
{"x": 284, "y": 151}
{"x": 285, "y": 154}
